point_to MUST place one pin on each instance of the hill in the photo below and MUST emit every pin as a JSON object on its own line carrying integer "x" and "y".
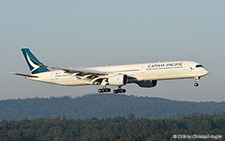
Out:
{"x": 102, "y": 106}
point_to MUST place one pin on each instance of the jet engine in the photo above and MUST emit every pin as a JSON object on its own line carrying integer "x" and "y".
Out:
{"x": 118, "y": 80}
{"x": 147, "y": 84}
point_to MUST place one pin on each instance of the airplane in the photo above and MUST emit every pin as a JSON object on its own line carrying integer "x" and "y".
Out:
{"x": 144, "y": 75}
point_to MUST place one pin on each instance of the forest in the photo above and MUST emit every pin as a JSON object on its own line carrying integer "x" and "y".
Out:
{"x": 117, "y": 128}
{"x": 102, "y": 106}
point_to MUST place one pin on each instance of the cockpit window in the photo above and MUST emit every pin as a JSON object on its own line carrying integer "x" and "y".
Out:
{"x": 199, "y": 66}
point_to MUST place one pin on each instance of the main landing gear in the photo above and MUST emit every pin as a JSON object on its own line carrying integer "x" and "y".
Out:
{"x": 104, "y": 90}
{"x": 116, "y": 91}
{"x": 119, "y": 90}
{"x": 196, "y": 81}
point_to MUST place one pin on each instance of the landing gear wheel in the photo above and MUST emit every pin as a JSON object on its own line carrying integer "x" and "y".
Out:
{"x": 119, "y": 91}
{"x": 196, "y": 84}
{"x": 100, "y": 90}
{"x": 104, "y": 90}
{"x": 108, "y": 90}
{"x": 115, "y": 91}
{"x": 122, "y": 90}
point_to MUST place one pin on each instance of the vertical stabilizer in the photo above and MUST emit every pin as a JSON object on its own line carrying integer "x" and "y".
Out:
{"x": 31, "y": 61}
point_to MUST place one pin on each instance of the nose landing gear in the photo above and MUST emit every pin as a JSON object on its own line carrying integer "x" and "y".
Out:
{"x": 196, "y": 81}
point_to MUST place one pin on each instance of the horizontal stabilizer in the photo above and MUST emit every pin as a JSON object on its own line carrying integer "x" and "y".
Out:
{"x": 26, "y": 75}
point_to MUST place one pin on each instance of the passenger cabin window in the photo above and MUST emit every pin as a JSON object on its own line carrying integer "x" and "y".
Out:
{"x": 199, "y": 66}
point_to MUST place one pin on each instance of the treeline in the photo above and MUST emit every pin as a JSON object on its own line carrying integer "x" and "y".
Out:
{"x": 118, "y": 128}
{"x": 103, "y": 106}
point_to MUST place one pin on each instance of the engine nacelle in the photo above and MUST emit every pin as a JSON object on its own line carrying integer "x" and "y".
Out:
{"x": 118, "y": 80}
{"x": 147, "y": 84}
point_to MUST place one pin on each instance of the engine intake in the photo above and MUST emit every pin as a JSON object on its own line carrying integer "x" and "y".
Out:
{"x": 118, "y": 80}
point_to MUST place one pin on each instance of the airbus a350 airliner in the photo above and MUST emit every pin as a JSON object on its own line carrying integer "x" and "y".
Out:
{"x": 144, "y": 75}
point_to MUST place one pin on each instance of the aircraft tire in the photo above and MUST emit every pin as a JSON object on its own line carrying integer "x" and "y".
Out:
{"x": 108, "y": 90}
{"x": 115, "y": 91}
{"x": 196, "y": 84}
{"x": 100, "y": 90}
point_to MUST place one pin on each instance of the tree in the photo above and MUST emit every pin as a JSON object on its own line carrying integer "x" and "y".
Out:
{"x": 131, "y": 117}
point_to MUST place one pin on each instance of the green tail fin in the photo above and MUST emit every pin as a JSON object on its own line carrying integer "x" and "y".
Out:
{"x": 31, "y": 61}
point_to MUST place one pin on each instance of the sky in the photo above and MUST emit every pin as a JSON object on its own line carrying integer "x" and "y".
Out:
{"x": 73, "y": 34}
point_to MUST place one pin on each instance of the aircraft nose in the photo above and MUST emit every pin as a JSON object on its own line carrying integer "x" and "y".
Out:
{"x": 205, "y": 72}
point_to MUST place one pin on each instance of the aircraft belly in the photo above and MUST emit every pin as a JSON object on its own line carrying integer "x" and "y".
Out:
{"x": 73, "y": 82}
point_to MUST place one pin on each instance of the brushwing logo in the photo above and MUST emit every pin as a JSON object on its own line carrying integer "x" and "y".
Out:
{"x": 35, "y": 67}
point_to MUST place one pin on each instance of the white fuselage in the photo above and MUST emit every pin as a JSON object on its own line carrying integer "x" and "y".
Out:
{"x": 142, "y": 72}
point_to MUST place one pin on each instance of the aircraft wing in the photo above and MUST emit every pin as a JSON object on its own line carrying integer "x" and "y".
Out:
{"x": 80, "y": 72}
{"x": 96, "y": 77}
